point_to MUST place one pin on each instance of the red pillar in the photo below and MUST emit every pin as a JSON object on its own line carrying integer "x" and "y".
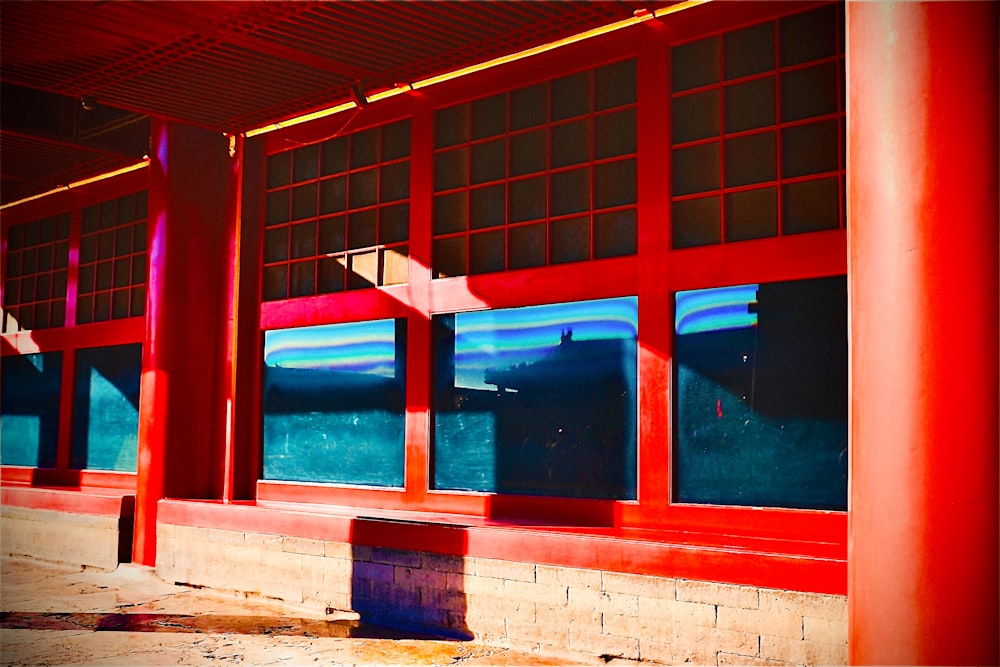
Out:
{"x": 923, "y": 244}
{"x": 182, "y": 409}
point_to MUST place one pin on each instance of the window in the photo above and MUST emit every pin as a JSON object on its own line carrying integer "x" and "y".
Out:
{"x": 112, "y": 277}
{"x": 538, "y": 400}
{"x": 540, "y": 175}
{"x": 758, "y": 131}
{"x": 334, "y": 403}
{"x": 106, "y": 407}
{"x": 761, "y": 398}
{"x": 338, "y": 214}
{"x": 34, "y": 295}
{"x": 29, "y": 424}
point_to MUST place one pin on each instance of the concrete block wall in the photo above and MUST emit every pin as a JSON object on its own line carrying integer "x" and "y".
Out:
{"x": 60, "y": 537}
{"x": 519, "y": 605}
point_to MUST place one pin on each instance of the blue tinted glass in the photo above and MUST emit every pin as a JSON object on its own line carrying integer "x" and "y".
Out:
{"x": 761, "y": 395}
{"x": 106, "y": 407}
{"x": 29, "y": 403}
{"x": 334, "y": 405}
{"x": 538, "y": 400}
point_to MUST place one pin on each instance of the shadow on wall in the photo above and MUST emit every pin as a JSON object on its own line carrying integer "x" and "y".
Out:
{"x": 415, "y": 592}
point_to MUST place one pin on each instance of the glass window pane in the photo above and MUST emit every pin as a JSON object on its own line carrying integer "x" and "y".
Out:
{"x": 761, "y": 395}
{"x": 335, "y": 156}
{"x": 571, "y": 96}
{"x": 362, "y": 270}
{"x": 394, "y": 182}
{"x": 396, "y": 140}
{"x": 102, "y": 306}
{"x": 614, "y": 85}
{"x": 334, "y": 408}
{"x": 489, "y": 161}
{"x": 694, "y": 64}
{"x": 451, "y": 212}
{"x": 538, "y": 400}
{"x": 749, "y": 50}
{"x": 751, "y": 159}
{"x": 810, "y": 206}
{"x": 333, "y": 195}
{"x": 809, "y": 36}
{"x": 750, "y": 105}
{"x": 106, "y": 407}
{"x": 303, "y": 240}
{"x": 303, "y": 282}
{"x": 394, "y": 223}
{"x": 486, "y": 252}
{"x": 810, "y": 149}
{"x": 104, "y": 275}
{"x": 489, "y": 116}
{"x": 614, "y": 134}
{"x": 614, "y": 184}
{"x": 529, "y": 106}
{"x": 363, "y": 188}
{"x": 696, "y": 222}
{"x": 451, "y": 169}
{"x": 361, "y": 229}
{"x": 332, "y": 234}
{"x": 569, "y": 240}
{"x": 449, "y": 257}
{"x": 364, "y": 148}
{"x": 809, "y": 92}
{"x": 569, "y": 192}
{"x": 306, "y": 163}
{"x": 527, "y": 152}
{"x": 122, "y": 272}
{"x": 751, "y": 214}
{"x": 527, "y": 246}
{"x": 615, "y": 234}
{"x": 277, "y": 207}
{"x": 137, "y": 295}
{"x": 279, "y": 171}
{"x": 695, "y": 116}
{"x": 275, "y": 284}
{"x": 527, "y": 199}
{"x": 487, "y": 206}
{"x": 29, "y": 409}
{"x": 571, "y": 143}
{"x": 451, "y": 126}
{"x": 695, "y": 169}
{"x": 330, "y": 275}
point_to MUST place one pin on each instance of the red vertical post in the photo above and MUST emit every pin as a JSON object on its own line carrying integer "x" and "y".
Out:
{"x": 923, "y": 271}
{"x": 182, "y": 410}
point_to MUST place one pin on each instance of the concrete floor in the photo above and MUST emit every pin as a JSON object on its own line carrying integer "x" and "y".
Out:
{"x": 60, "y": 615}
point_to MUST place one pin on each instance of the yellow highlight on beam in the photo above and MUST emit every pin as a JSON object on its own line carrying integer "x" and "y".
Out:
{"x": 80, "y": 184}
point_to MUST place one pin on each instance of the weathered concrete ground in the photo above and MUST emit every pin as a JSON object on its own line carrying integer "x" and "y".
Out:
{"x": 59, "y": 615}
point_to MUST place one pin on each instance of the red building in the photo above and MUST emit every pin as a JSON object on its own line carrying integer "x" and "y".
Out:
{"x": 665, "y": 331}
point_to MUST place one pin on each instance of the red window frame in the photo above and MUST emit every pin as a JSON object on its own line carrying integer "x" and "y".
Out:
{"x": 72, "y": 336}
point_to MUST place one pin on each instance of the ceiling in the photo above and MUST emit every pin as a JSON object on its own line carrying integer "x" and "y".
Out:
{"x": 229, "y": 66}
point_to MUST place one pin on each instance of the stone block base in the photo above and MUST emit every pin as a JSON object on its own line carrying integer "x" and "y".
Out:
{"x": 84, "y": 540}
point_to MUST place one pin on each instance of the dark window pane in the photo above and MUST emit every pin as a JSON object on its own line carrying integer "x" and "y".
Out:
{"x": 810, "y": 149}
{"x": 139, "y": 237}
{"x": 41, "y": 315}
{"x": 570, "y": 240}
{"x": 303, "y": 240}
{"x": 28, "y": 289}
{"x": 571, "y": 143}
{"x": 60, "y": 258}
{"x": 29, "y": 261}
{"x": 104, "y": 275}
{"x": 396, "y": 140}
{"x": 279, "y": 169}
{"x": 694, "y": 64}
{"x": 449, "y": 257}
{"x": 141, "y": 203}
{"x": 696, "y": 169}
{"x": 363, "y": 189}
{"x": 123, "y": 240}
{"x": 394, "y": 223}
{"x": 85, "y": 309}
{"x": 571, "y": 96}
{"x": 13, "y": 264}
{"x": 48, "y": 234}
{"x": 696, "y": 222}
{"x": 489, "y": 161}
{"x": 487, "y": 206}
{"x": 122, "y": 272}
{"x": 334, "y": 403}
{"x": 394, "y": 182}
{"x": 85, "y": 279}
{"x": 29, "y": 401}
{"x": 541, "y": 401}
{"x": 106, "y": 245}
{"x": 527, "y": 246}
{"x": 810, "y": 206}
{"x": 569, "y": 192}
{"x": 138, "y": 269}
{"x": 63, "y": 224}
{"x": 109, "y": 215}
{"x": 277, "y": 207}
{"x": 748, "y": 51}
{"x": 275, "y": 282}
{"x": 306, "y": 162}
{"x": 32, "y": 234}
{"x": 43, "y": 286}
{"x": 614, "y": 85}
{"x": 614, "y": 134}
{"x": 106, "y": 407}
{"x": 303, "y": 278}
{"x": 529, "y": 106}
{"x": 90, "y": 215}
{"x": 88, "y": 248}
{"x": 451, "y": 126}
{"x": 361, "y": 229}
{"x": 332, "y": 234}
{"x": 527, "y": 152}
{"x": 362, "y": 270}
{"x": 527, "y": 199}
{"x": 331, "y": 275}
{"x": 809, "y": 92}
{"x": 489, "y": 116}
{"x": 333, "y": 195}
{"x": 751, "y": 159}
{"x": 119, "y": 304}
{"x": 59, "y": 284}
{"x": 45, "y": 258}
{"x": 334, "y": 156}
{"x": 751, "y": 214}
{"x": 809, "y": 36}
{"x": 614, "y": 184}
{"x": 486, "y": 252}
{"x": 451, "y": 169}
{"x": 761, "y": 395}
{"x": 102, "y": 306}
{"x": 451, "y": 212}
{"x": 138, "y": 298}
{"x": 12, "y": 293}
{"x": 364, "y": 148}
{"x": 750, "y": 105}
{"x": 58, "y": 318}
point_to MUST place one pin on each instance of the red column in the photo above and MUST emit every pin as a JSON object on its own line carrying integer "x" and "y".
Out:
{"x": 923, "y": 244}
{"x": 182, "y": 409}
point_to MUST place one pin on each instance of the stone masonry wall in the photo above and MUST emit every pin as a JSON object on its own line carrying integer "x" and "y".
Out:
{"x": 525, "y": 606}
{"x": 61, "y": 537}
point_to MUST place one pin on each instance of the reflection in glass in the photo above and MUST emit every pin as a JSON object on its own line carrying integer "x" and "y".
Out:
{"x": 761, "y": 395}
{"x": 334, "y": 404}
{"x": 538, "y": 400}
{"x": 29, "y": 400}
{"x": 106, "y": 407}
